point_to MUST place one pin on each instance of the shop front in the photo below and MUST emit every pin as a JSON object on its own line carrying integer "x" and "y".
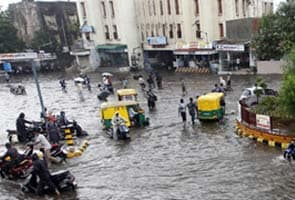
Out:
{"x": 113, "y": 55}
{"x": 233, "y": 55}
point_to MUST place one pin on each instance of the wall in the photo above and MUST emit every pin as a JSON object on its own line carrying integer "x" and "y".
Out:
{"x": 270, "y": 67}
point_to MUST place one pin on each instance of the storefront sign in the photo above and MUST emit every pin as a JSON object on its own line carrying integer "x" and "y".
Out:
{"x": 263, "y": 121}
{"x": 230, "y": 47}
{"x": 157, "y": 40}
{"x": 18, "y": 56}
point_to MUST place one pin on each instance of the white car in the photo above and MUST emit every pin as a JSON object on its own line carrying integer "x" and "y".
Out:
{"x": 249, "y": 98}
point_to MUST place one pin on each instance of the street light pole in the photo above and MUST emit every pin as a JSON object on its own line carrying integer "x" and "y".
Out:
{"x": 38, "y": 87}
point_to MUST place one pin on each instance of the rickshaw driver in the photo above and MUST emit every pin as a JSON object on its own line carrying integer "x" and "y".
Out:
{"x": 116, "y": 122}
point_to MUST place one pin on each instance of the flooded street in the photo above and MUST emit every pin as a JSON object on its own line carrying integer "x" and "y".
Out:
{"x": 163, "y": 160}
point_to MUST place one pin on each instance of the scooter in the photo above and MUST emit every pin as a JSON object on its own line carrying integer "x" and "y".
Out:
{"x": 122, "y": 132}
{"x": 63, "y": 180}
{"x": 289, "y": 153}
{"x": 20, "y": 171}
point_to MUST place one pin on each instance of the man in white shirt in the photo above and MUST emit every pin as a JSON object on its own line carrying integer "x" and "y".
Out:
{"x": 43, "y": 143}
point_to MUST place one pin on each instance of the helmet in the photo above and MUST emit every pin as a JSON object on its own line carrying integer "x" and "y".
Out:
{"x": 22, "y": 115}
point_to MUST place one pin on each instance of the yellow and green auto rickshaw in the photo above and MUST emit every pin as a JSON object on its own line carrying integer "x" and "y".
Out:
{"x": 127, "y": 95}
{"x": 129, "y": 110}
{"x": 211, "y": 106}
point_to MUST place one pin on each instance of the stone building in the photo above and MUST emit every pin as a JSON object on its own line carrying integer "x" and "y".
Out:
{"x": 59, "y": 19}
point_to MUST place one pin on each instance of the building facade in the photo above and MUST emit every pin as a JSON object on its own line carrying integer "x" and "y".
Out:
{"x": 114, "y": 29}
{"x": 59, "y": 19}
{"x": 165, "y": 28}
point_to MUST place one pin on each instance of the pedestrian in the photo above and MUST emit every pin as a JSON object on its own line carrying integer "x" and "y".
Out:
{"x": 183, "y": 88}
{"x": 125, "y": 83}
{"x": 222, "y": 81}
{"x": 53, "y": 132}
{"x": 228, "y": 84}
{"x": 222, "y": 89}
{"x": 192, "y": 110}
{"x": 182, "y": 111}
{"x": 7, "y": 77}
{"x": 216, "y": 88}
{"x": 43, "y": 144}
{"x": 159, "y": 80}
{"x": 87, "y": 82}
{"x": 150, "y": 81}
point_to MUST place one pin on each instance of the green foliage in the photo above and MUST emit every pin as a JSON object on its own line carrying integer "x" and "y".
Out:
{"x": 267, "y": 106}
{"x": 44, "y": 41}
{"x": 9, "y": 41}
{"x": 276, "y": 35}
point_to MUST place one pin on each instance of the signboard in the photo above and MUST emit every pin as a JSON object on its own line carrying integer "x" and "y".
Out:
{"x": 230, "y": 47}
{"x": 263, "y": 121}
{"x": 7, "y": 67}
{"x": 161, "y": 40}
{"x": 18, "y": 56}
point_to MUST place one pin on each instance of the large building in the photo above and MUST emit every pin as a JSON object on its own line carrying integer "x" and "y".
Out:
{"x": 59, "y": 19}
{"x": 163, "y": 29}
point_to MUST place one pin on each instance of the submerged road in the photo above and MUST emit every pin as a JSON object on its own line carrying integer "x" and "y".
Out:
{"x": 164, "y": 160}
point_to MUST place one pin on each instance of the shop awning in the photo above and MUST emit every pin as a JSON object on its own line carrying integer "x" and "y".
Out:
{"x": 194, "y": 51}
{"x": 112, "y": 48}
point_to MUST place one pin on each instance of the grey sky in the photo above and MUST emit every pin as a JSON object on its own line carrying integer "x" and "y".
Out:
{"x": 4, "y": 3}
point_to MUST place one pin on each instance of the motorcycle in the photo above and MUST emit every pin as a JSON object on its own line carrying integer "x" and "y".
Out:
{"x": 75, "y": 128}
{"x": 58, "y": 153}
{"x": 63, "y": 180}
{"x": 19, "y": 171}
{"x": 122, "y": 132}
{"x": 289, "y": 153}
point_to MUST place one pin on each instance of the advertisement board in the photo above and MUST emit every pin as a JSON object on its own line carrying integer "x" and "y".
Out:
{"x": 230, "y": 47}
{"x": 161, "y": 40}
{"x": 263, "y": 121}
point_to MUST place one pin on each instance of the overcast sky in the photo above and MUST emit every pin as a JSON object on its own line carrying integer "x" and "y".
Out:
{"x": 4, "y": 3}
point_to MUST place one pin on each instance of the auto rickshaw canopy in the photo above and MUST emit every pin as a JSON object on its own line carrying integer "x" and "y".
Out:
{"x": 127, "y": 94}
{"x": 210, "y": 101}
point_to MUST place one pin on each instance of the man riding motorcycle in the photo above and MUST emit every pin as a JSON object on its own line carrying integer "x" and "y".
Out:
{"x": 11, "y": 158}
{"x": 117, "y": 121}
{"x": 40, "y": 170}
{"x": 21, "y": 128}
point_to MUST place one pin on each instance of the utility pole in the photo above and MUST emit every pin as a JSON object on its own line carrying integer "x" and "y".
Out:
{"x": 38, "y": 87}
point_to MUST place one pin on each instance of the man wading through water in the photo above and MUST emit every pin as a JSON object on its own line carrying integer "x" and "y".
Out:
{"x": 192, "y": 110}
{"x": 182, "y": 111}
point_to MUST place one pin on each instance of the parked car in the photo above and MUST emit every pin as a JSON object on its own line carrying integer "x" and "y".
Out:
{"x": 249, "y": 97}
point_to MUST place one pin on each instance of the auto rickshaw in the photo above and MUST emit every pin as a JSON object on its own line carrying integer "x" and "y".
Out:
{"x": 211, "y": 106}
{"x": 125, "y": 109}
{"x": 127, "y": 95}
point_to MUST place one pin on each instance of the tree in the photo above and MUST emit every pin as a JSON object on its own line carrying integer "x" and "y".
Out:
{"x": 9, "y": 41}
{"x": 276, "y": 35}
{"x": 44, "y": 41}
{"x": 287, "y": 92}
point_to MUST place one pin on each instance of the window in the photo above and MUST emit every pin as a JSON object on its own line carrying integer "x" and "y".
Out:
{"x": 154, "y": 7}
{"x": 103, "y": 9}
{"x": 271, "y": 7}
{"x": 221, "y": 31}
{"x": 157, "y": 29}
{"x": 237, "y": 7}
{"x": 112, "y": 8}
{"x": 179, "y": 32}
{"x": 161, "y": 7}
{"x": 164, "y": 30}
{"x": 171, "y": 31}
{"x": 153, "y": 35}
{"x": 177, "y": 7}
{"x": 115, "y": 33}
{"x": 147, "y": 33}
{"x": 107, "y": 33}
{"x": 265, "y": 7}
{"x": 244, "y": 8}
{"x": 169, "y": 7}
{"x": 197, "y": 9}
{"x": 150, "y": 8}
{"x": 83, "y": 9}
{"x": 219, "y": 7}
{"x": 198, "y": 31}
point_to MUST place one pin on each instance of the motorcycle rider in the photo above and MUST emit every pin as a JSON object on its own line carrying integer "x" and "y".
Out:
{"x": 40, "y": 170}
{"x": 13, "y": 158}
{"x": 53, "y": 131}
{"x": 43, "y": 144}
{"x": 117, "y": 120}
{"x": 21, "y": 127}
{"x": 63, "y": 121}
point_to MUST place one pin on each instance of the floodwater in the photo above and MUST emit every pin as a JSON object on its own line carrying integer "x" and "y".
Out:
{"x": 164, "y": 160}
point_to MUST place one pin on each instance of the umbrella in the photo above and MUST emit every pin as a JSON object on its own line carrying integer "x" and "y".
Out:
{"x": 107, "y": 74}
